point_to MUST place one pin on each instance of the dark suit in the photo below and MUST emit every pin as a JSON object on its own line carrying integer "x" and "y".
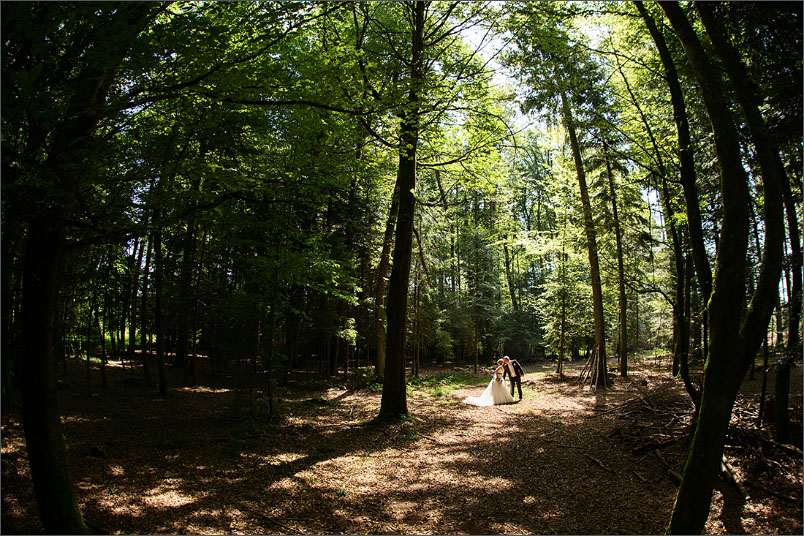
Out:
{"x": 514, "y": 379}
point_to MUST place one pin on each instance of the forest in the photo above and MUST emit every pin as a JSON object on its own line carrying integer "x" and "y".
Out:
{"x": 254, "y": 255}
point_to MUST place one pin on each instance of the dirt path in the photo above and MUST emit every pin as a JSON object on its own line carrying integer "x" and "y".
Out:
{"x": 562, "y": 461}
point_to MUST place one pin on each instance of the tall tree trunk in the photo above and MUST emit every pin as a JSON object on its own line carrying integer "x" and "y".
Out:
{"x": 63, "y": 169}
{"x": 382, "y": 274}
{"x": 684, "y": 361}
{"x": 185, "y": 282}
{"x": 132, "y": 317}
{"x": 793, "y": 350}
{"x": 623, "y": 304}
{"x": 194, "y": 334}
{"x": 159, "y": 329}
{"x": 733, "y": 342}
{"x": 145, "y": 349}
{"x": 562, "y": 338}
{"x": 509, "y": 277}
{"x": 680, "y": 321}
{"x": 685, "y": 155}
{"x": 91, "y": 311}
{"x": 775, "y": 182}
{"x": 394, "y": 393}
{"x": 102, "y": 337}
{"x": 600, "y": 372}
{"x": 47, "y": 455}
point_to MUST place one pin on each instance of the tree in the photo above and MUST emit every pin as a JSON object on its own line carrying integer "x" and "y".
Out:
{"x": 81, "y": 68}
{"x": 773, "y": 171}
{"x": 599, "y": 369}
{"x": 734, "y": 339}
{"x": 658, "y": 170}
{"x": 553, "y": 69}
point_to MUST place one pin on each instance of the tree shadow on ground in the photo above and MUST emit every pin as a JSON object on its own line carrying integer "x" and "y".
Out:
{"x": 197, "y": 462}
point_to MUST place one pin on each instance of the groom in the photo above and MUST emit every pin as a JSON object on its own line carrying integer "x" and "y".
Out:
{"x": 513, "y": 369}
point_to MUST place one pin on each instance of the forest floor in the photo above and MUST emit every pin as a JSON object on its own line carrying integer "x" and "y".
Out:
{"x": 208, "y": 460}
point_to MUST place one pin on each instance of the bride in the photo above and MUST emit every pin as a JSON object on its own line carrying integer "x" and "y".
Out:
{"x": 495, "y": 393}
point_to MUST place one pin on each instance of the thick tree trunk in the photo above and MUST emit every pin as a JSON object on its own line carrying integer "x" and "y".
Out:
{"x": 47, "y": 456}
{"x": 600, "y": 372}
{"x": 394, "y": 393}
{"x": 775, "y": 180}
{"x": 733, "y": 342}
{"x": 382, "y": 274}
{"x": 67, "y": 148}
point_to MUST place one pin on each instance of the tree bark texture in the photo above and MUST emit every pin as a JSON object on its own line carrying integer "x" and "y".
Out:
{"x": 382, "y": 274}
{"x": 621, "y": 298}
{"x": 62, "y": 171}
{"x": 774, "y": 177}
{"x": 734, "y": 341}
{"x": 600, "y": 369}
{"x": 47, "y": 455}
{"x": 394, "y": 393}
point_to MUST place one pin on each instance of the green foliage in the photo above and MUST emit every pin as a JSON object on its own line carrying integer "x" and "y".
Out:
{"x": 261, "y": 140}
{"x": 440, "y": 385}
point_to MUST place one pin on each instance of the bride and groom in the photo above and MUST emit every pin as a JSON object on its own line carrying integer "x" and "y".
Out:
{"x": 496, "y": 393}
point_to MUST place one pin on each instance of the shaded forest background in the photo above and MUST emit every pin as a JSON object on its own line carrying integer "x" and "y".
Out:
{"x": 300, "y": 187}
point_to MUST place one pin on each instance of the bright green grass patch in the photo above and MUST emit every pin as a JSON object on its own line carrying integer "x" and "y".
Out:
{"x": 441, "y": 385}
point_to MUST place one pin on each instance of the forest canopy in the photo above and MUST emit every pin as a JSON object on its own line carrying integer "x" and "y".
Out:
{"x": 333, "y": 186}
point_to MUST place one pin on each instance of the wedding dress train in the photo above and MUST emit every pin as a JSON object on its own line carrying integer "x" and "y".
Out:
{"x": 495, "y": 393}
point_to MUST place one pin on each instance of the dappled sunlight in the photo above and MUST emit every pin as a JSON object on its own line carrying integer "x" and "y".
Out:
{"x": 116, "y": 470}
{"x": 203, "y": 389}
{"x": 188, "y": 465}
{"x": 166, "y": 497}
{"x": 83, "y": 419}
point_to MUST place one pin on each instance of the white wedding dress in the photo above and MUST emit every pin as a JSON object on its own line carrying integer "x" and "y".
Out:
{"x": 495, "y": 393}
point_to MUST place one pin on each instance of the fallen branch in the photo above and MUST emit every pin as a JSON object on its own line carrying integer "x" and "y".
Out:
{"x": 642, "y": 478}
{"x": 610, "y": 470}
{"x": 731, "y": 477}
{"x": 675, "y": 475}
{"x": 729, "y": 473}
